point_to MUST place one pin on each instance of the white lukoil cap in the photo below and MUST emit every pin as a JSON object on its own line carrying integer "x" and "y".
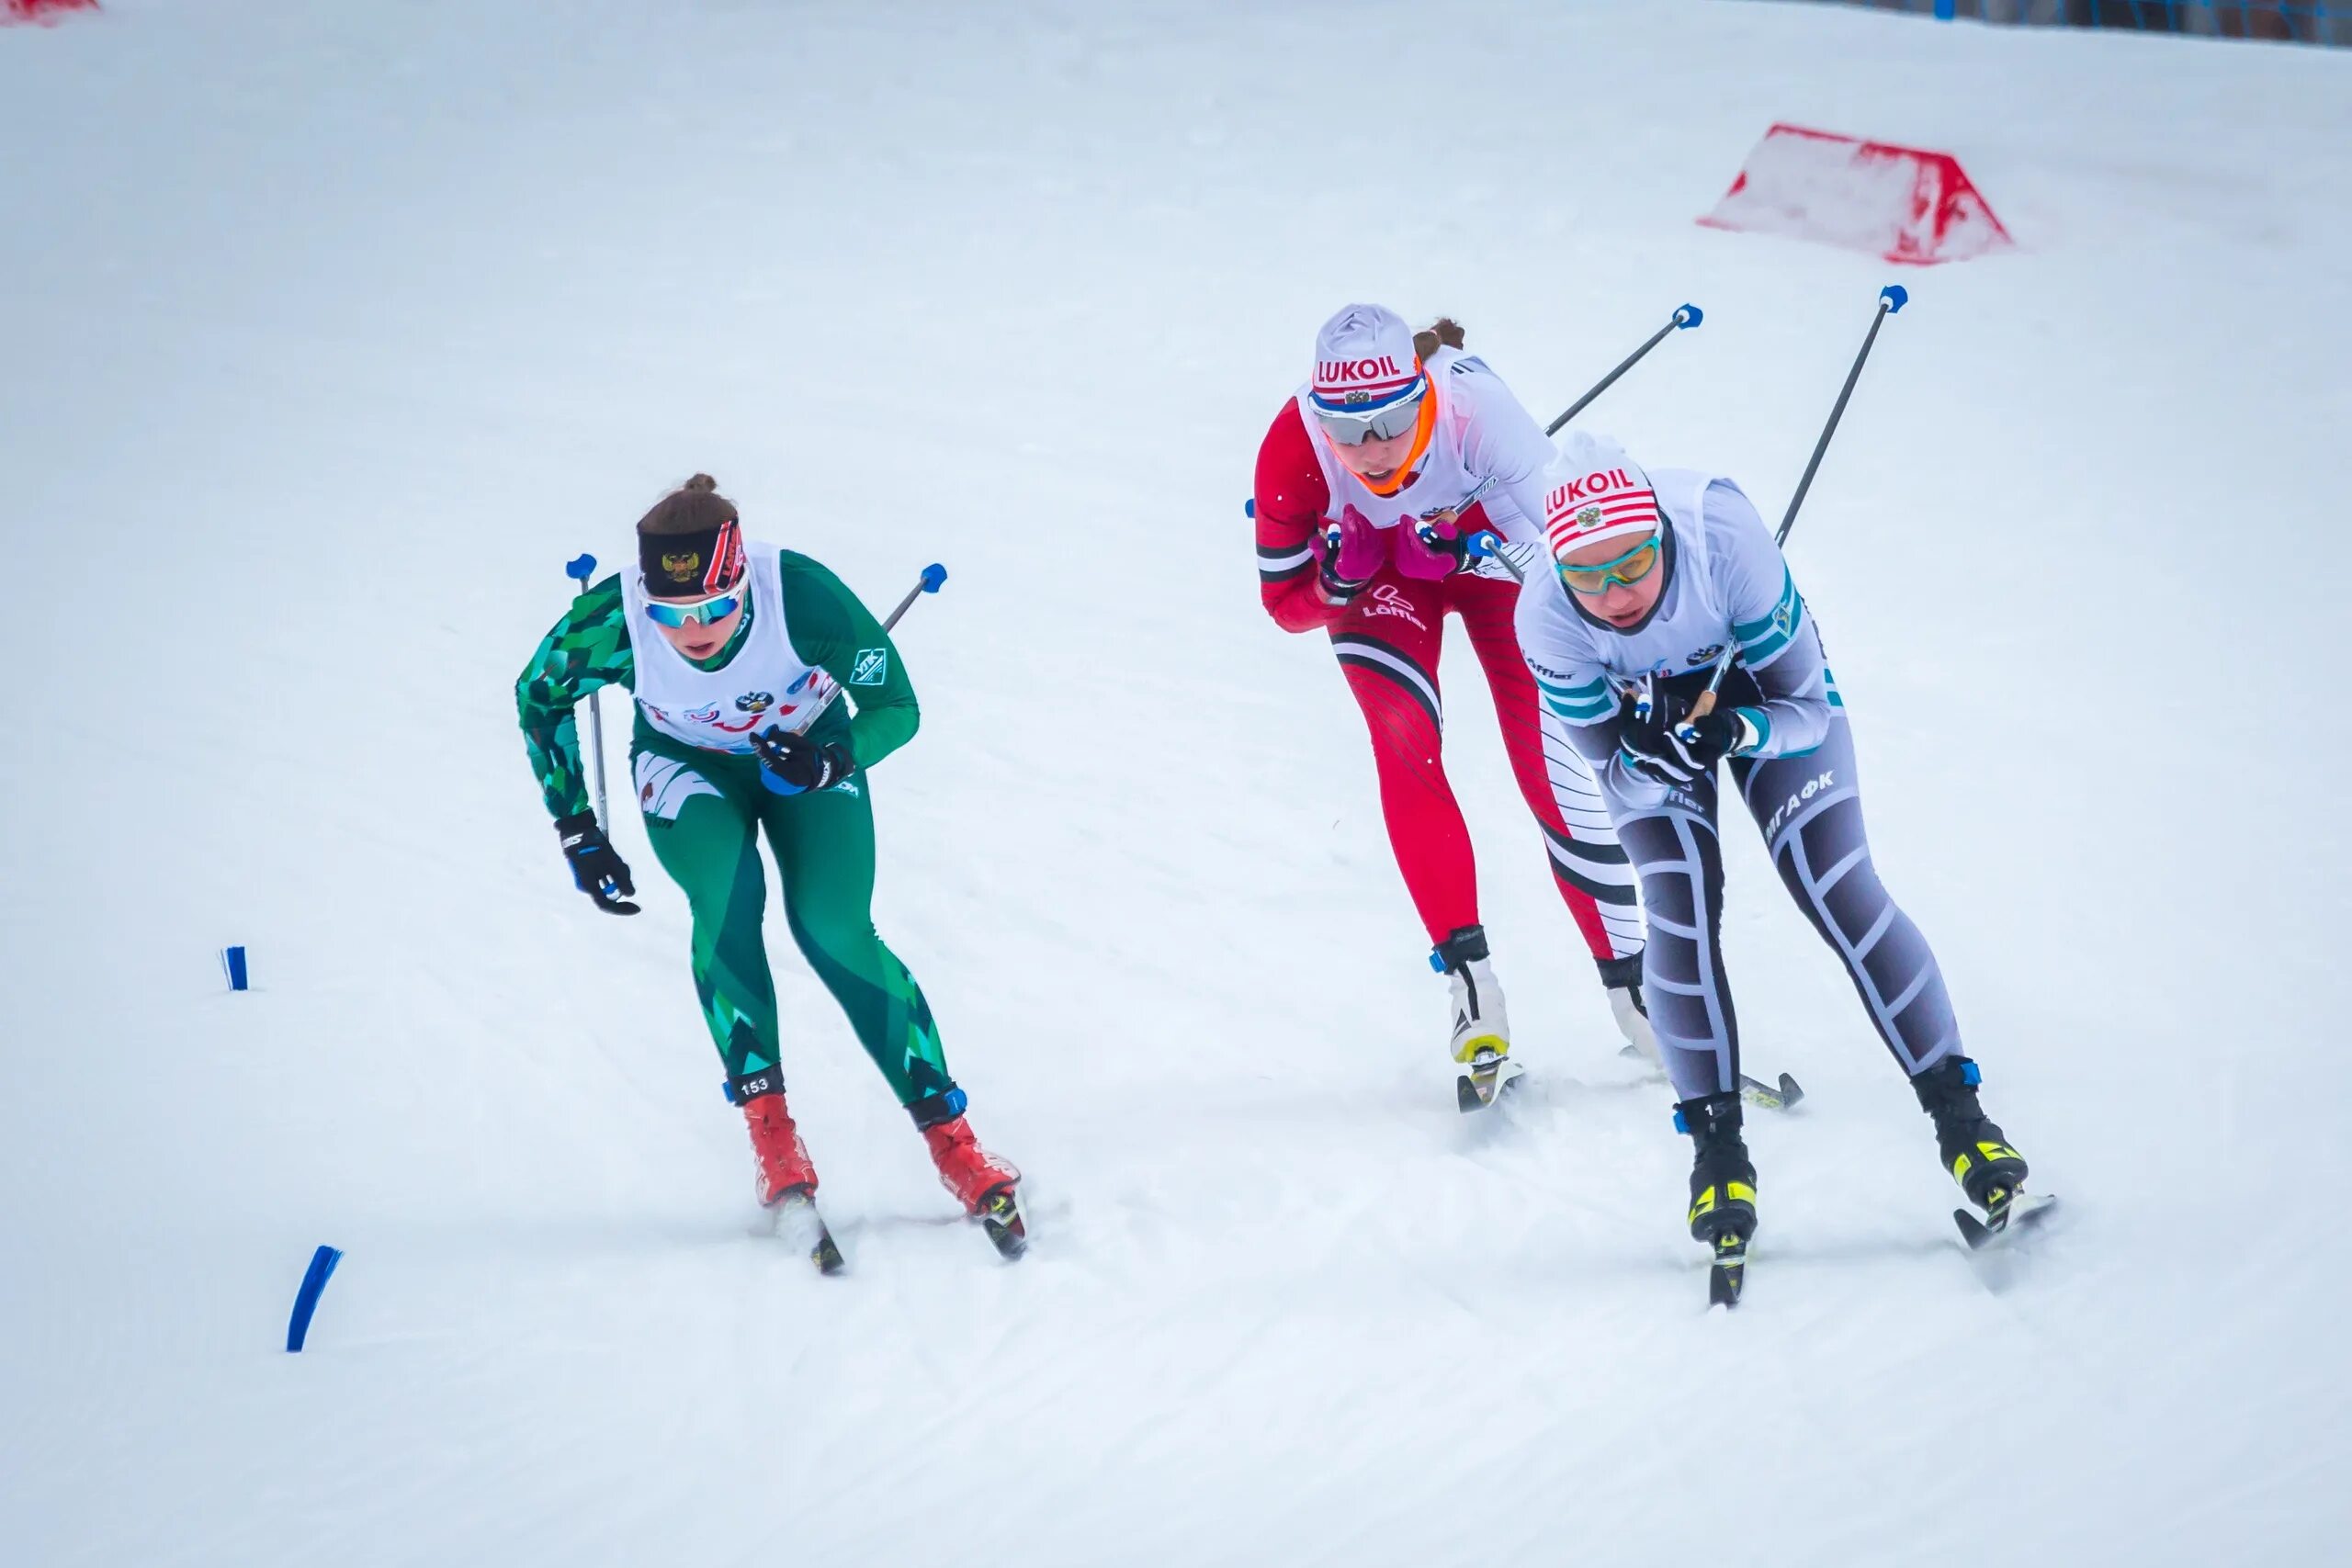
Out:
{"x": 1364, "y": 361}
{"x": 1593, "y": 491}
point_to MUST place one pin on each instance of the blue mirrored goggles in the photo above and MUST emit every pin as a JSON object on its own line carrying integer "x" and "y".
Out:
{"x": 701, "y": 613}
{"x": 1352, "y": 427}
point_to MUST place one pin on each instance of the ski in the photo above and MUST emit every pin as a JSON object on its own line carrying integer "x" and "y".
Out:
{"x": 1485, "y": 1079}
{"x": 1727, "y": 1271}
{"x": 799, "y": 1226}
{"x": 2014, "y": 1217}
{"x": 999, "y": 1215}
{"x": 1783, "y": 1096}
{"x": 1786, "y": 1095}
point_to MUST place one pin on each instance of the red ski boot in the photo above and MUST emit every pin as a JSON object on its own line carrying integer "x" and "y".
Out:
{"x": 984, "y": 1183}
{"x": 785, "y": 1164}
{"x": 787, "y": 1182}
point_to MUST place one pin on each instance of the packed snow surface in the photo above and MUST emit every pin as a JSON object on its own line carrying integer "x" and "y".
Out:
{"x": 331, "y": 331}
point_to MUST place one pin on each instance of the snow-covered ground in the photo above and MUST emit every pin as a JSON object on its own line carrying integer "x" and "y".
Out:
{"x": 330, "y": 331}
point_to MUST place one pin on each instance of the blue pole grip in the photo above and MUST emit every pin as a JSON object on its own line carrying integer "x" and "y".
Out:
{"x": 934, "y": 576}
{"x": 580, "y": 567}
{"x": 1483, "y": 543}
{"x": 305, "y": 1300}
{"x": 1895, "y": 296}
{"x": 1688, "y": 316}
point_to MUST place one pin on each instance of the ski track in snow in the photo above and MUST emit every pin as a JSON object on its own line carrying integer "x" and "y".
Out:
{"x": 333, "y": 330}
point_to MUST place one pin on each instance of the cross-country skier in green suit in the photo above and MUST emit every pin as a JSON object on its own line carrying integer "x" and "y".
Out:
{"x": 733, "y": 651}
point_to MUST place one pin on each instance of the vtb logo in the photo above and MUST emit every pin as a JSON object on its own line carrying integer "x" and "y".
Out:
{"x": 1568, "y": 494}
{"x": 1339, "y": 372}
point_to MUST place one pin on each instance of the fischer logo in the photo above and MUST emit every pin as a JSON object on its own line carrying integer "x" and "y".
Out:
{"x": 1796, "y": 800}
{"x": 1344, "y": 372}
{"x": 1591, "y": 485}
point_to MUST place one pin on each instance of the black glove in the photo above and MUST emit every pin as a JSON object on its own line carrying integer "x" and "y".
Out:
{"x": 1677, "y": 751}
{"x": 794, "y": 764}
{"x": 1338, "y": 590}
{"x": 601, "y": 874}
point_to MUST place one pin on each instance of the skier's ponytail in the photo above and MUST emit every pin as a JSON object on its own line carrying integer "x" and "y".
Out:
{"x": 1445, "y": 333}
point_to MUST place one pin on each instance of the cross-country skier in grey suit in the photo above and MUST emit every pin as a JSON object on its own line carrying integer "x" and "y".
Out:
{"x": 1651, "y": 577}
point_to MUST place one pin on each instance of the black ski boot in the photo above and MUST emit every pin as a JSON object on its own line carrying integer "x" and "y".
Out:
{"x": 1722, "y": 1191}
{"x": 1722, "y": 1181}
{"x": 1974, "y": 1149}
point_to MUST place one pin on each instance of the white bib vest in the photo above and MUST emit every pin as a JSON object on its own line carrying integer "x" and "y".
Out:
{"x": 1693, "y": 625}
{"x": 1442, "y": 482}
{"x": 765, "y": 683}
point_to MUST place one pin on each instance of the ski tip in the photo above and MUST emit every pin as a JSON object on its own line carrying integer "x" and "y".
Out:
{"x": 1724, "y": 1282}
{"x": 1466, "y": 1096}
{"x": 1726, "y": 1270}
{"x": 1770, "y": 1097}
{"x": 2025, "y": 1212}
{"x": 1008, "y": 1230}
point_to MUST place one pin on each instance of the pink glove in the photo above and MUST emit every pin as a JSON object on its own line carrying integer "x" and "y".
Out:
{"x": 1349, "y": 552}
{"x": 1438, "y": 555}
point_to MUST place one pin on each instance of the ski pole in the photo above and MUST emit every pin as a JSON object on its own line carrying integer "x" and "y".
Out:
{"x": 581, "y": 569}
{"x": 1684, "y": 318}
{"x": 1890, "y": 298}
{"x": 933, "y": 577}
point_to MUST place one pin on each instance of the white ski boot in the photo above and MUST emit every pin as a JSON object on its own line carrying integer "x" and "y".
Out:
{"x": 1480, "y": 1044}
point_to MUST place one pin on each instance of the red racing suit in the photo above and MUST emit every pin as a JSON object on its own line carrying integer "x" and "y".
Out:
{"x": 1387, "y": 639}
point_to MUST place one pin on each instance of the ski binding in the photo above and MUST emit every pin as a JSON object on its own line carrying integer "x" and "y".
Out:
{"x": 1486, "y": 1078}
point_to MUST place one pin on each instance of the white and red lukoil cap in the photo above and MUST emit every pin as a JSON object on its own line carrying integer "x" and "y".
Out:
{"x": 1365, "y": 362}
{"x": 1593, "y": 491}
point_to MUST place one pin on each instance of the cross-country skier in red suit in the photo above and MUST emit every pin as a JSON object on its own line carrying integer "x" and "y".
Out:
{"x": 1372, "y": 477}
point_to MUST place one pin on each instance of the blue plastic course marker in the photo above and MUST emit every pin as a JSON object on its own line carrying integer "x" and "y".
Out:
{"x": 305, "y": 1300}
{"x": 233, "y": 961}
{"x": 1895, "y": 296}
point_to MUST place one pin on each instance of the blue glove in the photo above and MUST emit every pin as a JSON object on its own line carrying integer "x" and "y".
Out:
{"x": 794, "y": 764}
